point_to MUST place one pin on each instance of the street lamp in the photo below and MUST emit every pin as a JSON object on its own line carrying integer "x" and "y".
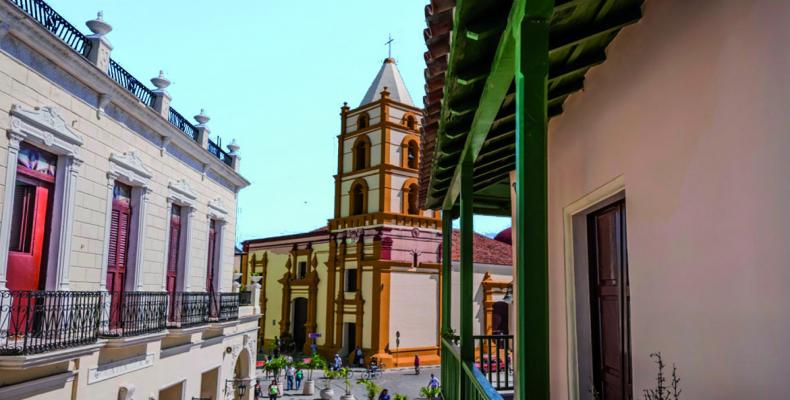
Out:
{"x": 508, "y": 295}
{"x": 239, "y": 385}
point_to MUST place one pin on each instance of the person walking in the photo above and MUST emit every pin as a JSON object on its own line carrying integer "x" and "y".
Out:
{"x": 358, "y": 357}
{"x": 257, "y": 392}
{"x": 290, "y": 371}
{"x": 384, "y": 395}
{"x": 338, "y": 362}
{"x": 416, "y": 364}
{"x": 434, "y": 382}
{"x": 298, "y": 377}
{"x": 274, "y": 391}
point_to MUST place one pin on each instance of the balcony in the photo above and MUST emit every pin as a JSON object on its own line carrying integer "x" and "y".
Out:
{"x": 33, "y": 322}
{"x": 133, "y": 313}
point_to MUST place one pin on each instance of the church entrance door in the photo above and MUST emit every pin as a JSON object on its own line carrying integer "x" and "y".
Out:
{"x": 298, "y": 322}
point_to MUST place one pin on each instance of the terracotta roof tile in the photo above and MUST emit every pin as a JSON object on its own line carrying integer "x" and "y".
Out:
{"x": 485, "y": 250}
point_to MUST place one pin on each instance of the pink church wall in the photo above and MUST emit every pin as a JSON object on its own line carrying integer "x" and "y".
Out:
{"x": 691, "y": 109}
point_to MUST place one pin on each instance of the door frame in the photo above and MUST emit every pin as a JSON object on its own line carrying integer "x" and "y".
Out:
{"x": 574, "y": 223}
{"x": 180, "y": 193}
{"x": 43, "y": 127}
{"x": 129, "y": 169}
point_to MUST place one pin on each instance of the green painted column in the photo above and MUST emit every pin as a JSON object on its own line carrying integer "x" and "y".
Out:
{"x": 447, "y": 269}
{"x": 466, "y": 297}
{"x": 531, "y": 227}
{"x": 467, "y": 266}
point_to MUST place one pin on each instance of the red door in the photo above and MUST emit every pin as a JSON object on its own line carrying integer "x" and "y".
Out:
{"x": 212, "y": 236}
{"x": 29, "y": 226}
{"x": 610, "y": 303}
{"x": 118, "y": 249}
{"x": 173, "y": 249}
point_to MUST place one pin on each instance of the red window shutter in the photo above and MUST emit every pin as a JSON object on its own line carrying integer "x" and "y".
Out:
{"x": 112, "y": 259}
{"x": 212, "y": 235}
{"x": 123, "y": 239}
{"x": 175, "y": 233}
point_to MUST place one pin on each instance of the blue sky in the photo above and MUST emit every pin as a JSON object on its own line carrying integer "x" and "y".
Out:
{"x": 272, "y": 74}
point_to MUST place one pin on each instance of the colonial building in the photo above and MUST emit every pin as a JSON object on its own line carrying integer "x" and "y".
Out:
{"x": 117, "y": 229}
{"x": 650, "y": 208}
{"x": 369, "y": 278}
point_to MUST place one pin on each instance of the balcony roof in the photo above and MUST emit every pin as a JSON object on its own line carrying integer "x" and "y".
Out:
{"x": 470, "y": 95}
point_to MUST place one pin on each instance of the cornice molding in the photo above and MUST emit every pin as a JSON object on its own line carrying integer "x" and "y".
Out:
{"x": 45, "y": 126}
{"x": 130, "y": 167}
{"x": 182, "y": 193}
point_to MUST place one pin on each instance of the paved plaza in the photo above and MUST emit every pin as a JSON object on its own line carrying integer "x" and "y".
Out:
{"x": 400, "y": 380}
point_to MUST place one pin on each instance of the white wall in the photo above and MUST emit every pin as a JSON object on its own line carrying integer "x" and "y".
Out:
{"x": 690, "y": 109}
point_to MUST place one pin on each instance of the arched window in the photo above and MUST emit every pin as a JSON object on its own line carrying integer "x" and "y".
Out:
{"x": 361, "y": 153}
{"x": 358, "y": 198}
{"x": 411, "y": 199}
{"x": 411, "y": 122}
{"x": 363, "y": 121}
{"x": 411, "y": 155}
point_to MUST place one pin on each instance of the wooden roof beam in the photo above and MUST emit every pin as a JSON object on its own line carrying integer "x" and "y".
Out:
{"x": 607, "y": 25}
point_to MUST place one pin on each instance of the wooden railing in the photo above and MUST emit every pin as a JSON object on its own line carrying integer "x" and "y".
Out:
{"x": 462, "y": 379}
{"x": 356, "y": 221}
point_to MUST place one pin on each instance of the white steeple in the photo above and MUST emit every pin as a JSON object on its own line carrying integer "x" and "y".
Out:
{"x": 388, "y": 77}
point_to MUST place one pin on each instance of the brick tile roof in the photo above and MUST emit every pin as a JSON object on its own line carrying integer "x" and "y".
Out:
{"x": 485, "y": 250}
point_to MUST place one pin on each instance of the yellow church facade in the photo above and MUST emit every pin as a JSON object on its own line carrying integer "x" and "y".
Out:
{"x": 370, "y": 276}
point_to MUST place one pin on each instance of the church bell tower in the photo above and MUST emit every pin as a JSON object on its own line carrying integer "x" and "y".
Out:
{"x": 378, "y": 157}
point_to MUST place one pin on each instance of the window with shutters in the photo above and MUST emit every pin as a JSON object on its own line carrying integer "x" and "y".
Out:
{"x": 211, "y": 262}
{"x": 174, "y": 248}
{"x": 120, "y": 221}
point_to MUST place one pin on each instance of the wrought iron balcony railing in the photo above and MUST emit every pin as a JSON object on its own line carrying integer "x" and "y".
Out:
{"x": 130, "y": 83}
{"x": 494, "y": 359}
{"x": 42, "y": 13}
{"x": 188, "y": 309}
{"x": 38, "y": 321}
{"x": 227, "y": 306}
{"x": 216, "y": 150}
{"x": 245, "y": 298}
{"x": 134, "y": 313}
{"x": 178, "y": 120}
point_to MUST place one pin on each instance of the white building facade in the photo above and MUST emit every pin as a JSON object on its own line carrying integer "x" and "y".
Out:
{"x": 117, "y": 228}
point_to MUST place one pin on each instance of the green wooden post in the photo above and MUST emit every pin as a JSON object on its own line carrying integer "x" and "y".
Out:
{"x": 447, "y": 268}
{"x": 532, "y": 293}
{"x": 466, "y": 271}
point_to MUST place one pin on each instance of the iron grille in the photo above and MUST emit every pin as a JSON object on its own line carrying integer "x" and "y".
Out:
{"x": 134, "y": 313}
{"x": 245, "y": 298}
{"x": 130, "y": 83}
{"x": 38, "y": 321}
{"x": 228, "y": 306}
{"x": 42, "y": 13}
{"x": 182, "y": 124}
{"x": 495, "y": 360}
{"x": 217, "y": 151}
{"x": 188, "y": 309}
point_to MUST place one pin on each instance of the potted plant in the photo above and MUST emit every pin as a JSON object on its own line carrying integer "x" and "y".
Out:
{"x": 276, "y": 365}
{"x": 327, "y": 392}
{"x": 256, "y": 277}
{"x": 371, "y": 388}
{"x": 316, "y": 362}
{"x": 431, "y": 393}
{"x": 400, "y": 397}
{"x": 344, "y": 373}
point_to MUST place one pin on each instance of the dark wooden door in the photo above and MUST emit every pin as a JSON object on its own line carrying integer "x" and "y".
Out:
{"x": 610, "y": 302}
{"x": 212, "y": 237}
{"x": 299, "y": 321}
{"x": 120, "y": 221}
{"x": 173, "y": 252}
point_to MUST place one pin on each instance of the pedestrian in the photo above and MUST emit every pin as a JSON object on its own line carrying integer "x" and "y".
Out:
{"x": 384, "y": 395}
{"x": 358, "y": 357}
{"x": 274, "y": 391}
{"x": 258, "y": 393}
{"x": 338, "y": 362}
{"x": 314, "y": 348}
{"x": 416, "y": 364}
{"x": 290, "y": 371}
{"x": 434, "y": 382}
{"x": 299, "y": 375}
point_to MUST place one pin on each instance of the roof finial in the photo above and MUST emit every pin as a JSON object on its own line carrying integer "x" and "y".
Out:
{"x": 389, "y": 46}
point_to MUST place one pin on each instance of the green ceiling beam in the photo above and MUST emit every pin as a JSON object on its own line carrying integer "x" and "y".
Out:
{"x": 496, "y": 86}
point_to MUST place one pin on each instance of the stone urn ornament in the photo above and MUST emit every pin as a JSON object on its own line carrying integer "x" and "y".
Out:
{"x": 202, "y": 118}
{"x": 256, "y": 278}
{"x": 98, "y": 26}
{"x": 160, "y": 81}
{"x": 233, "y": 147}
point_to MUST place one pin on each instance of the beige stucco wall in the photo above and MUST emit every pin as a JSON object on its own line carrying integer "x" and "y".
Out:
{"x": 102, "y": 137}
{"x": 414, "y": 308}
{"x": 690, "y": 109}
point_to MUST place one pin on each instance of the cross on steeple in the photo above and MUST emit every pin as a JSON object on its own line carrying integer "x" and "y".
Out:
{"x": 389, "y": 46}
